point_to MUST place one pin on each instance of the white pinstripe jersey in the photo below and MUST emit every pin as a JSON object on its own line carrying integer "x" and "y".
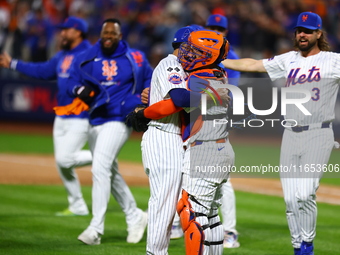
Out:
{"x": 167, "y": 75}
{"x": 318, "y": 73}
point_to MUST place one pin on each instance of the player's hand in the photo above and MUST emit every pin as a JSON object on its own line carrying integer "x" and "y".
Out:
{"x": 5, "y": 60}
{"x": 85, "y": 93}
{"x": 137, "y": 120}
{"x": 145, "y": 96}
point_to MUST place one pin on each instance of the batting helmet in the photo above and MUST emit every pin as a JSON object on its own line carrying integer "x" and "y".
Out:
{"x": 203, "y": 48}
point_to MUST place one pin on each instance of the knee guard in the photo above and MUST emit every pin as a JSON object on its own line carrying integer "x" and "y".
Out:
{"x": 193, "y": 232}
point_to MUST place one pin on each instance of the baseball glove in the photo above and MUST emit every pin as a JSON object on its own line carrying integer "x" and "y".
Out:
{"x": 137, "y": 120}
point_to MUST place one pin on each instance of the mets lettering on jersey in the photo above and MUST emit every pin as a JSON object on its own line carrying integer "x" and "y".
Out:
{"x": 294, "y": 79}
{"x": 317, "y": 74}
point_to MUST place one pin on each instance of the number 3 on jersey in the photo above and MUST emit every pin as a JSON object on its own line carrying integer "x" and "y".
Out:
{"x": 316, "y": 92}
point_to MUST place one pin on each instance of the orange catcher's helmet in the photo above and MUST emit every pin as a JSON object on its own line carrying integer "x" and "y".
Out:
{"x": 204, "y": 47}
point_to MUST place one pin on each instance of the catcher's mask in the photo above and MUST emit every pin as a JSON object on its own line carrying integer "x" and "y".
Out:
{"x": 203, "y": 48}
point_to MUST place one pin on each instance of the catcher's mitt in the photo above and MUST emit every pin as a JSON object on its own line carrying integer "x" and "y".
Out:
{"x": 137, "y": 120}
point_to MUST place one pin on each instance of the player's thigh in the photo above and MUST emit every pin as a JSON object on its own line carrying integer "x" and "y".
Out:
{"x": 318, "y": 146}
{"x": 290, "y": 155}
{"x": 290, "y": 189}
{"x": 70, "y": 134}
{"x": 106, "y": 142}
{"x": 161, "y": 151}
{"x": 204, "y": 190}
{"x": 209, "y": 160}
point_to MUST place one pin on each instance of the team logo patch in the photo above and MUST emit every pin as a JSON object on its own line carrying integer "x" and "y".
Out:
{"x": 66, "y": 64}
{"x": 109, "y": 69}
{"x": 175, "y": 78}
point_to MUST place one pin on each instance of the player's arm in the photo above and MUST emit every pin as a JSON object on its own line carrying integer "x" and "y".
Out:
{"x": 179, "y": 98}
{"x": 40, "y": 70}
{"x": 244, "y": 65}
{"x": 185, "y": 98}
{"x": 161, "y": 109}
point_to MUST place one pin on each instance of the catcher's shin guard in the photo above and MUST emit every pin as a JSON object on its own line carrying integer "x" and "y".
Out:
{"x": 193, "y": 232}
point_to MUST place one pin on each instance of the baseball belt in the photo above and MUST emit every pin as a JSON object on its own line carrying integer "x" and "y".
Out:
{"x": 310, "y": 127}
{"x": 198, "y": 142}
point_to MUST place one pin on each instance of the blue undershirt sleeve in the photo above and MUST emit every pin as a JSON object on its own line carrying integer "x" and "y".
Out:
{"x": 184, "y": 98}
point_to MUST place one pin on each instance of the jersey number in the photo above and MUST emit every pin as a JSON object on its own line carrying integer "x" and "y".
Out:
{"x": 316, "y": 96}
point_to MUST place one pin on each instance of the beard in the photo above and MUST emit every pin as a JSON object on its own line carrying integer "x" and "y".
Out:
{"x": 65, "y": 44}
{"x": 307, "y": 47}
{"x": 108, "y": 51}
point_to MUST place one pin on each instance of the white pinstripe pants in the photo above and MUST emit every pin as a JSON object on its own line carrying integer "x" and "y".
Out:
{"x": 299, "y": 187}
{"x": 228, "y": 207}
{"x": 105, "y": 141}
{"x": 206, "y": 186}
{"x": 162, "y": 158}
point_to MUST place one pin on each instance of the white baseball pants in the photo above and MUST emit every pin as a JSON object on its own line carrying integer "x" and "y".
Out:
{"x": 69, "y": 137}
{"x": 299, "y": 150}
{"x": 106, "y": 141}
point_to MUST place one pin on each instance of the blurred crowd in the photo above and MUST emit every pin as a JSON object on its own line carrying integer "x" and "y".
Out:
{"x": 257, "y": 28}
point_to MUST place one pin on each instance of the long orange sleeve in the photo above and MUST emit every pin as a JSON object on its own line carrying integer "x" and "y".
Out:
{"x": 161, "y": 109}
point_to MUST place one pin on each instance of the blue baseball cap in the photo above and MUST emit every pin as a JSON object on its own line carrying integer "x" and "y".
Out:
{"x": 76, "y": 23}
{"x": 183, "y": 33}
{"x": 218, "y": 21}
{"x": 309, "y": 20}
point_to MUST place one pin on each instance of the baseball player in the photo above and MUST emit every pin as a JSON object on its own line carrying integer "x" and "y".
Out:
{"x": 162, "y": 150}
{"x": 309, "y": 142}
{"x": 109, "y": 77}
{"x": 213, "y": 231}
{"x": 206, "y": 146}
{"x": 70, "y": 132}
{"x": 219, "y": 23}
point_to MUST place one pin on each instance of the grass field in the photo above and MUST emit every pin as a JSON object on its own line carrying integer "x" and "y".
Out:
{"x": 28, "y": 224}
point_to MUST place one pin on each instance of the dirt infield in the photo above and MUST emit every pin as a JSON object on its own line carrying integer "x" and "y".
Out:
{"x": 40, "y": 169}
